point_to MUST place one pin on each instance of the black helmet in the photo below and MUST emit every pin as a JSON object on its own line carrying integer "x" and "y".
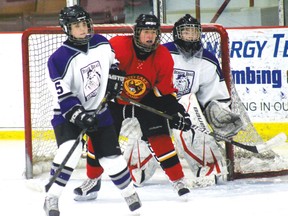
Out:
{"x": 146, "y": 21}
{"x": 187, "y": 21}
{"x": 75, "y": 14}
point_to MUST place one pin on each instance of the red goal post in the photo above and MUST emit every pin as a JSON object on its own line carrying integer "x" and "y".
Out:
{"x": 40, "y": 42}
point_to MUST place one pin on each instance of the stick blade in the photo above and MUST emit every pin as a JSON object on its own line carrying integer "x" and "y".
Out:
{"x": 47, "y": 186}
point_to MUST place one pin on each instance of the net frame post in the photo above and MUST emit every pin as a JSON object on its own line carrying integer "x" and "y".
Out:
{"x": 27, "y": 94}
{"x": 27, "y": 106}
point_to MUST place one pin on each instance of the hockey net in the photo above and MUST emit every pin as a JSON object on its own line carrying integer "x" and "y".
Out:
{"x": 39, "y": 43}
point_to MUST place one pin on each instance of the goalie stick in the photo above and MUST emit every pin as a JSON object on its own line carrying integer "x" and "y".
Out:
{"x": 280, "y": 138}
{"x": 76, "y": 143}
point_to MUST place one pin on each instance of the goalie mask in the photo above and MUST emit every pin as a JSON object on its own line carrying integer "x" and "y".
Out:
{"x": 187, "y": 34}
{"x": 150, "y": 22}
{"x": 75, "y": 14}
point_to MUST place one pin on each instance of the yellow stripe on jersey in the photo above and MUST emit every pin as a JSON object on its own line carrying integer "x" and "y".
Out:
{"x": 90, "y": 155}
{"x": 167, "y": 156}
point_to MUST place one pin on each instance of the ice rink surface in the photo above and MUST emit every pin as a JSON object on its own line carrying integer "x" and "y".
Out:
{"x": 249, "y": 197}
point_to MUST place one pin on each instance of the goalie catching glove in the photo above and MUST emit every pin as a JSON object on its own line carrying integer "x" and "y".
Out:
{"x": 115, "y": 82}
{"x": 82, "y": 119}
{"x": 222, "y": 120}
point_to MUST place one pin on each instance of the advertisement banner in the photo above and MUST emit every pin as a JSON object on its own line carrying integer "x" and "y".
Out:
{"x": 259, "y": 67}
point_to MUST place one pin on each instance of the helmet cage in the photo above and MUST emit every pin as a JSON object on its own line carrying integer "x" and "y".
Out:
{"x": 193, "y": 29}
{"x": 191, "y": 41}
{"x": 72, "y": 15}
{"x": 144, "y": 22}
{"x": 143, "y": 47}
{"x": 81, "y": 41}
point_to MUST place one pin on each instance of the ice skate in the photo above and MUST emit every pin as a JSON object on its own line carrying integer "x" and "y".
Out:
{"x": 133, "y": 202}
{"x": 181, "y": 187}
{"x": 131, "y": 197}
{"x": 51, "y": 206}
{"x": 88, "y": 190}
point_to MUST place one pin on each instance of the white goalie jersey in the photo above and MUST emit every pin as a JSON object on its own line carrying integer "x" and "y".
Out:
{"x": 200, "y": 74}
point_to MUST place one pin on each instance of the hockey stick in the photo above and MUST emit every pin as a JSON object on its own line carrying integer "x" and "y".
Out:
{"x": 255, "y": 149}
{"x": 76, "y": 143}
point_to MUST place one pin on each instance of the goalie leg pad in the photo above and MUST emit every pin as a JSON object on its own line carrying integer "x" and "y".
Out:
{"x": 141, "y": 163}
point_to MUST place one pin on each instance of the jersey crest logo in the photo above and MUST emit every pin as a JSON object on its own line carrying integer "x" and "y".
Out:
{"x": 136, "y": 86}
{"x": 183, "y": 81}
{"x": 91, "y": 75}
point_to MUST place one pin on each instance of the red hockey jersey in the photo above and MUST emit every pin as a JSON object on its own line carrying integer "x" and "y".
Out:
{"x": 155, "y": 73}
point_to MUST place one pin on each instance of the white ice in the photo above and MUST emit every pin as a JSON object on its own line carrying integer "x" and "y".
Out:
{"x": 245, "y": 197}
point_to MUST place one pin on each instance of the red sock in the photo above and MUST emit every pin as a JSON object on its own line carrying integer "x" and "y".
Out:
{"x": 174, "y": 173}
{"x": 93, "y": 170}
{"x": 162, "y": 145}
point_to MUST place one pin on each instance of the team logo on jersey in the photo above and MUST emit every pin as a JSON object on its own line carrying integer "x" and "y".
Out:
{"x": 136, "y": 86}
{"x": 183, "y": 81}
{"x": 91, "y": 79}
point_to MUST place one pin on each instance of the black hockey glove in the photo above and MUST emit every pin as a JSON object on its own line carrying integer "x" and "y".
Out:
{"x": 181, "y": 121}
{"x": 115, "y": 82}
{"x": 82, "y": 119}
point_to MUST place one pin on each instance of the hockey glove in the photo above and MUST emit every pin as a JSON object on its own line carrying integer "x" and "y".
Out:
{"x": 82, "y": 119}
{"x": 180, "y": 118}
{"x": 115, "y": 82}
{"x": 181, "y": 121}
